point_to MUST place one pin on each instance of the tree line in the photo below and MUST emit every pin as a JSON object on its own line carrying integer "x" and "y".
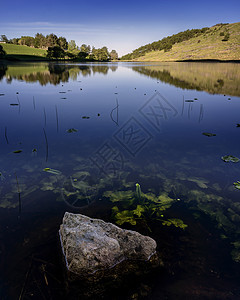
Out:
{"x": 60, "y": 48}
{"x": 165, "y": 43}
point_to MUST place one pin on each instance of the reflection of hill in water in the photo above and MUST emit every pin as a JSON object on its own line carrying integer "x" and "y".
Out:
{"x": 50, "y": 73}
{"x": 214, "y": 78}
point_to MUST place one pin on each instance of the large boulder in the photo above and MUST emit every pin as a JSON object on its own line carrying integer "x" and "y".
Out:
{"x": 93, "y": 247}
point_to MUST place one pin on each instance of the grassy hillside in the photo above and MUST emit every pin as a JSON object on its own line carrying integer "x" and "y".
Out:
{"x": 24, "y": 52}
{"x": 208, "y": 45}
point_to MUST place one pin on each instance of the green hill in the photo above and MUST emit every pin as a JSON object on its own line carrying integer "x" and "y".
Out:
{"x": 219, "y": 42}
{"x": 18, "y": 52}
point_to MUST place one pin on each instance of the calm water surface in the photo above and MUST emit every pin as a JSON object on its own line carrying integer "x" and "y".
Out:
{"x": 78, "y": 137}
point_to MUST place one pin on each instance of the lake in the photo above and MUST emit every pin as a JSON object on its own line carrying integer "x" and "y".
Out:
{"x": 77, "y": 137}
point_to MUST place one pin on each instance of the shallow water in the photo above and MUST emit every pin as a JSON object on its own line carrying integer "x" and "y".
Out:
{"x": 71, "y": 132}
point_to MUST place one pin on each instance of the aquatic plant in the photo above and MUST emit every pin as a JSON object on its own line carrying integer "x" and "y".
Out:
{"x": 138, "y": 191}
{"x": 175, "y": 222}
{"x": 237, "y": 185}
{"x": 133, "y": 207}
{"x": 230, "y": 158}
{"x": 52, "y": 171}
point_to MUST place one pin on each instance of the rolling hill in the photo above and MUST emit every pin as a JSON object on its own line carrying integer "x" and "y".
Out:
{"x": 18, "y": 52}
{"x": 219, "y": 42}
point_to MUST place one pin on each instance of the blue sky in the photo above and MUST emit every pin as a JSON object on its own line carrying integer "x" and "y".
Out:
{"x": 123, "y": 25}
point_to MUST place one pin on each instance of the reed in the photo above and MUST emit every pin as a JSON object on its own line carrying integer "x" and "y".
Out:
{"x": 34, "y": 106}
{"x": 56, "y": 116}
{"x": 45, "y": 117}
{"x": 19, "y": 198}
{"x": 6, "y": 135}
{"x": 46, "y": 141}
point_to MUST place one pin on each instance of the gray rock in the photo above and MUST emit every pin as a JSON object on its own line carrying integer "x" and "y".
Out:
{"x": 91, "y": 246}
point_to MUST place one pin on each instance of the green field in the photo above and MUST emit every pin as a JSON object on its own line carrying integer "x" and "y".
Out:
{"x": 24, "y": 52}
{"x": 209, "y": 45}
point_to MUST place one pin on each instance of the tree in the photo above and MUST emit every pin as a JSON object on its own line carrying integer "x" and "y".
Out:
{"x": 113, "y": 55}
{"x": 62, "y": 42}
{"x": 82, "y": 55}
{"x": 2, "y": 52}
{"x": 85, "y": 48}
{"x": 14, "y": 41}
{"x": 26, "y": 41}
{"x": 4, "y": 39}
{"x": 51, "y": 40}
{"x": 55, "y": 52}
{"x": 39, "y": 41}
{"x": 72, "y": 45}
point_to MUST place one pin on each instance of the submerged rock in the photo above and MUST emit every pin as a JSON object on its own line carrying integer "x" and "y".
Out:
{"x": 95, "y": 249}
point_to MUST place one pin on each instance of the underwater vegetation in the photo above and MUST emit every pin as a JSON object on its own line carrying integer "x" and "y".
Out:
{"x": 135, "y": 206}
{"x": 237, "y": 185}
{"x": 52, "y": 171}
{"x": 230, "y": 158}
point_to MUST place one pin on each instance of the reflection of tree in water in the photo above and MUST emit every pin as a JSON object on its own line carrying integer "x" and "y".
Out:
{"x": 165, "y": 76}
{"x": 214, "y": 78}
{"x": 57, "y": 73}
{"x": 3, "y": 69}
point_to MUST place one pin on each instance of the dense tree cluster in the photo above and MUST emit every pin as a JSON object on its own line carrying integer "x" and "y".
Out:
{"x": 39, "y": 41}
{"x": 2, "y": 52}
{"x": 165, "y": 44}
{"x": 59, "y": 47}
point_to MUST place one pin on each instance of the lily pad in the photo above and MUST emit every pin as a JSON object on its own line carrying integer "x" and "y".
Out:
{"x": 228, "y": 158}
{"x": 209, "y": 134}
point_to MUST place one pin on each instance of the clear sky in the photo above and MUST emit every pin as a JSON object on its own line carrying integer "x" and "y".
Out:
{"x": 119, "y": 25}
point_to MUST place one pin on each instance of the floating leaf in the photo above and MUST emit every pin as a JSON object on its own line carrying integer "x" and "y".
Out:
{"x": 70, "y": 130}
{"x": 209, "y": 134}
{"x": 52, "y": 171}
{"x": 2, "y": 94}
{"x": 14, "y": 104}
{"x": 189, "y": 100}
{"x": 17, "y": 151}
{"x": 237, "y": 185}
{"x": 85, "y": 117}
{"x": 228, "y": 158}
